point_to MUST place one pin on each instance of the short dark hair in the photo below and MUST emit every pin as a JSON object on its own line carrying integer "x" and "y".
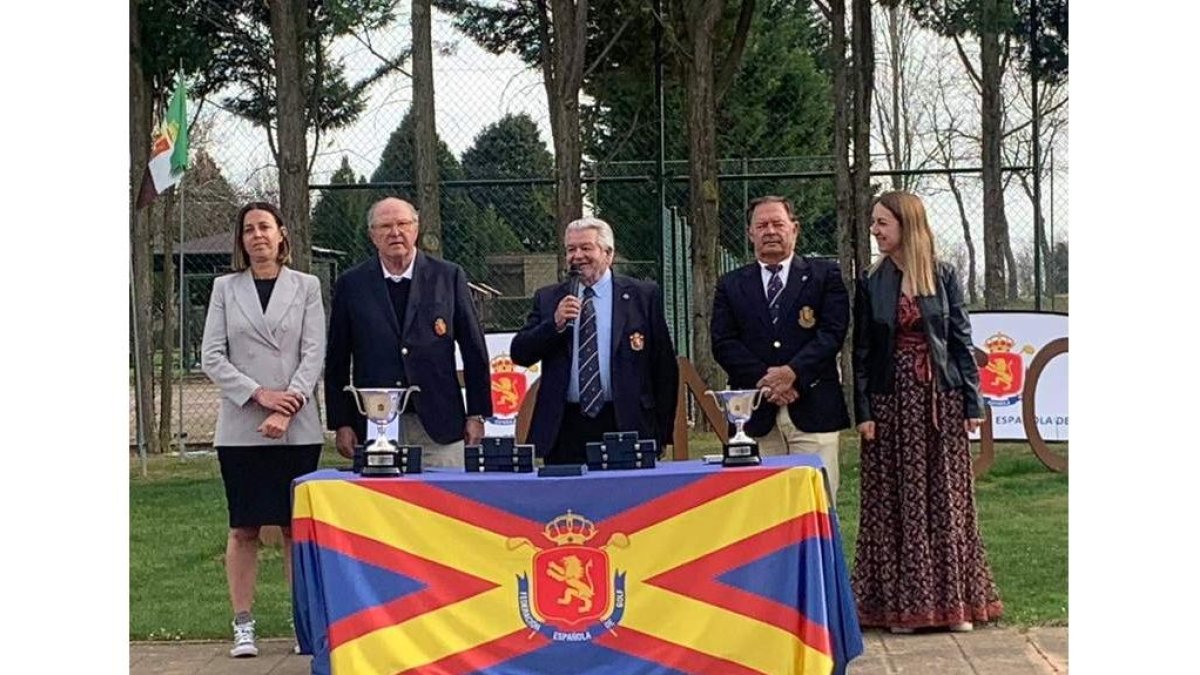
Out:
{"x": 241, "y": 259}
{"x": 769, "y": 199}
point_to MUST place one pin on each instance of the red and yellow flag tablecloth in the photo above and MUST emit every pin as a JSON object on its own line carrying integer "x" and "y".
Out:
{"x": 686, "y": 568}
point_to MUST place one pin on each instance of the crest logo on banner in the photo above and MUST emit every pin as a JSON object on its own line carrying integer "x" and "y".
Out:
{"x": 508, "y": 389}
{"x": 573, "y": 594}
{"x": 1003, "y": 378}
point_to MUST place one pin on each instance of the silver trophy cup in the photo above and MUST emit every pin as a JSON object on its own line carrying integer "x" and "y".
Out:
{"x": 738, "y": 405}
{"x": 381, "y": 406}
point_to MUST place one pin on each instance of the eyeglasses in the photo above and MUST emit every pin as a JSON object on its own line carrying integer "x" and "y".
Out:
{"x": 771, "y": 225}
{"x": 397, "y": 225}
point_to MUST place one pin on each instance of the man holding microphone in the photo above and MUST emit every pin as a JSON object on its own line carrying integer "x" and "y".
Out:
{"x": 607, "y": 359}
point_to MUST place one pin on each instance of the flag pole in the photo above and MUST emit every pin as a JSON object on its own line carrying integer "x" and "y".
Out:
{"x": 139, "y": 403}
{"x": 182, "y": 281}
{"x": 182, "y": 318}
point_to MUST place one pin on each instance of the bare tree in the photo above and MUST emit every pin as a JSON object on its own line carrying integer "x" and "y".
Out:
{"x": 140, "y": 119}
{"x": 696, "y": 27}
{"x": 1018, "y": 141}
{"x": 997, "y": 254}
{"x": 851, "y": 94}
{"x": 1024, "y": 268}
{"x": 835, "y": 12}
{"x": 425, "y": 130}
{"x": 288, "y": 36}
{"x": 863, "y": 45}
{"x": 944, "y": 139}
{"x": 900, "y": 74}
{"x": 562, "y": 27}
{"x": 991, "y": 20}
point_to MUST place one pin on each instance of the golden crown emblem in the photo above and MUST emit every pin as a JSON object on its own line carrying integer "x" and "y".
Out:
{"x": 570, "y": 528}
{"x": 999, "y": 343}
{"x": 503, "y": 364}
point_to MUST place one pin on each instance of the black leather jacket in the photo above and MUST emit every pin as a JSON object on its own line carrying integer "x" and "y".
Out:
{"x": 947, "y": 329}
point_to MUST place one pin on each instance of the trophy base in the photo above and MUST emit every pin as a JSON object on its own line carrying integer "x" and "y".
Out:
{"x": 387, "y": 464}
{"x": 380, "y": 471}
{"x": 740, "y": 454}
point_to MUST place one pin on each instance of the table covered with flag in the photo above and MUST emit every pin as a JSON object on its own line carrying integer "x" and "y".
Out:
{"x": 687, "y": 567}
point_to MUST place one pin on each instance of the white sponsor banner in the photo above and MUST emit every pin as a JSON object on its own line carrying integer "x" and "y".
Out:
{"x": 1012, "y": 340}
{"x": 509, "y": 383}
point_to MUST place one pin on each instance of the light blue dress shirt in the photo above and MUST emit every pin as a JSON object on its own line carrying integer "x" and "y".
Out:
{"x": 603, "y": 304}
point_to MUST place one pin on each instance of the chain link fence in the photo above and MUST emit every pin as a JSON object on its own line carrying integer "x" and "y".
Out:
{"x": 497, "y": 199}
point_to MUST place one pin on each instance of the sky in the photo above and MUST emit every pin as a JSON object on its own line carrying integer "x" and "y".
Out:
{"x": 474, "y": 88}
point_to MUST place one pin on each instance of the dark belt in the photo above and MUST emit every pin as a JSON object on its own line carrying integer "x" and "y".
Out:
{"x": 923, "y": 370}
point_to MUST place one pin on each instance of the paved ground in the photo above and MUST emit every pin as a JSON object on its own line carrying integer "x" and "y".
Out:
{"x": 994, "y": 651}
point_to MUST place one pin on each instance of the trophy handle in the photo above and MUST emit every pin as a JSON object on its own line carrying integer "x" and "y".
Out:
{"x": 758, "y": 397}
{"x": 713, "y": 394}
{"x": 404, "y": 401}
{"x": 357, "y": 400}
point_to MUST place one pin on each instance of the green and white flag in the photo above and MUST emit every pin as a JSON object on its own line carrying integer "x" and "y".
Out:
{"x": 168, "y": 149}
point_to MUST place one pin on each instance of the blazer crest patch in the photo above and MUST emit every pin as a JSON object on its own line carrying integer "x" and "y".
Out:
{"x": 637, "y": 342}
{"x": 808, "y": 318}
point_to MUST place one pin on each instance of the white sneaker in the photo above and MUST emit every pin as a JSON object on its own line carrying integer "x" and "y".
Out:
{"x": 243, "y": 640}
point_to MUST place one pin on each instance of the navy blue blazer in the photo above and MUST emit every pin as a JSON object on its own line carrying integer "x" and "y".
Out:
{"x": 366, "y": 338}
{"x": 645, "y": 374}
{"x": 745, "y": 343}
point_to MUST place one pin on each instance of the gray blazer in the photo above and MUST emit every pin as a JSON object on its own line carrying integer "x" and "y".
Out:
{"x": 245, "y": 349}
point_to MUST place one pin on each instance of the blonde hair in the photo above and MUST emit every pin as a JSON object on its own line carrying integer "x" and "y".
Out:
{"x": 917, "y": 254}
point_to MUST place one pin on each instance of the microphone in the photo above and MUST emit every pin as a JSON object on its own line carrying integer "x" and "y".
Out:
{"x": 573, "y": 275}
{"x": 575, "y": 288}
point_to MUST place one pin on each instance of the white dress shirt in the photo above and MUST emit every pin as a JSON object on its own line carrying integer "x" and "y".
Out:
{"x": 406, "y": 274}
{"x": 783, "y": 273}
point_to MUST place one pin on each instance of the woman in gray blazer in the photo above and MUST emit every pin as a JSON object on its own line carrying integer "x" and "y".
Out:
{"x": 264, "y": 346}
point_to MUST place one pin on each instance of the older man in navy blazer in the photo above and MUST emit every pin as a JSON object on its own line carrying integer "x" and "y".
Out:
{"x": 779, "y": 323}
{"x": 395, "y": 319}
{"x": 607, "y": 359}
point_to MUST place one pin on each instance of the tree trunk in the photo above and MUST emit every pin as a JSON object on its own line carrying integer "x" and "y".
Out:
{"x": 425, "y": 131}
{"x": 995, "y": 227}
{"x": 843, "y": 189}
{"x": 568, "y": 155}
{"x": 702, "y": 179}
{"x": 566, "y": 30}
{"x": 1011, "y": 264}
{"x": 140, "y": 113}
{"x": 167, "y": 334}
{"x": 895, "y": 45}
{"x": 1039, "y": 227}
{"x": 288, "y": 27}
{"x": 972, "y": 282}
{"x": 862, "y": 37}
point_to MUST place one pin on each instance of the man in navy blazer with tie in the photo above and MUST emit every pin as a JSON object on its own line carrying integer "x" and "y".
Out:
{"x": 779, "y": 323}
{"x": 607, "y": 359}
{"x": 395, "y": 319}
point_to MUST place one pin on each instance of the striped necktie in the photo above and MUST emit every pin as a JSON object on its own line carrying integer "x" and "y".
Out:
{"x": 591, "y": 392}
{"x": 774, "y": 290}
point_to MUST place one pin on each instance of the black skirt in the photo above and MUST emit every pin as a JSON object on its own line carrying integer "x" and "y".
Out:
{"x": 258, "y": 481}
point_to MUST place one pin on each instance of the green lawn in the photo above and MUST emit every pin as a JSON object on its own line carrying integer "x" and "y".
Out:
{"x": 177, "y": 526}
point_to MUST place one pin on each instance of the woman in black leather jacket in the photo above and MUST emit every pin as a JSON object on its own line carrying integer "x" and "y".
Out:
{"x": 920, "y": 561}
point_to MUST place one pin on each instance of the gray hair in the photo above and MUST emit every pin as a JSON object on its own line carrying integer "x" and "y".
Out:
{"x": 371, "y": 211}
{"x": 603, "y": 230}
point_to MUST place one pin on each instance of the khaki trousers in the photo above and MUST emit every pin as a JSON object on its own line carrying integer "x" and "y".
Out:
{"x": 433, "y": 454}
{"x": 786, "y": 439}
